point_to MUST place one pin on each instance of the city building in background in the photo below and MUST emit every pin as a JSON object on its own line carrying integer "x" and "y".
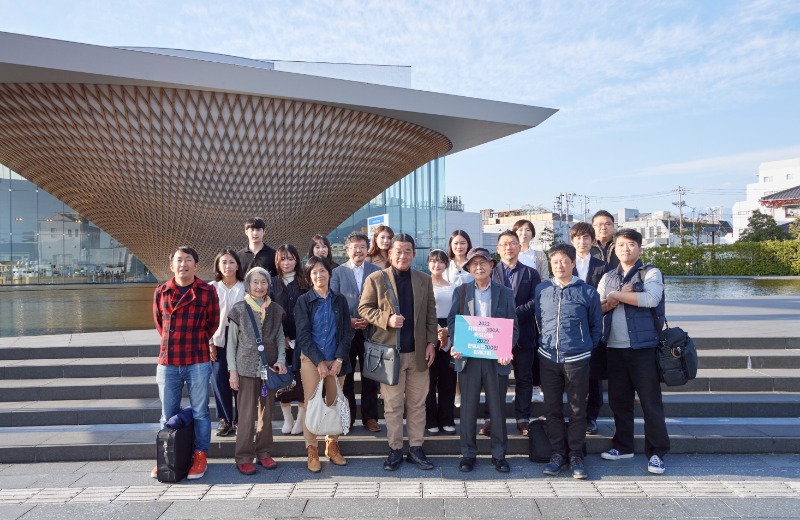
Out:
{"x": 773, "y": 177}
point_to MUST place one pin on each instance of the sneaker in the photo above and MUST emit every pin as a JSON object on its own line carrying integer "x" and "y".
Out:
{"x": 224, "y": 428}
{"x": 434, "y": 430}
{"x": 537, "y": 396}
{"x": 457, "y": 402}
{"x": 656, "y": 465}
{"x": 154, "y": 472}
{"x": 578, "y": 470}
{"x": 199, "y": 464}
{"x": 449, "y": 429}
{"x": 553, "y": 467}
{"x": 615, "y": 454}
{"x": 591, "y": 427}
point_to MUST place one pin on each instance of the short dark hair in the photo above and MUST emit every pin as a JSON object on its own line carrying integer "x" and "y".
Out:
{"x": 602, "y": 213}
{"x": 227, "y": 251}
{"x": 630, "y": 234}
{"x": 312, "y": 262}
{"x": 185, "y": 249}
{"x": 254, "y": 222}
{"x": 356, "y": 236}
{"x": 507, "y": 233}
{"x": 524, "y": 222}
{"x": 404, "y": 237}
{"x": 440, "y": 255}
{"x": 580, "y": 229}
{"x": 454, "y": 234}
{"x": 562, "y": 249}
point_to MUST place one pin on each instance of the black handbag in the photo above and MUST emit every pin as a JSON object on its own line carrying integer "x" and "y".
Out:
{"x": 382, "y": 362}
{"x": 272, "y": 379}
{"x": 676, "y": 355}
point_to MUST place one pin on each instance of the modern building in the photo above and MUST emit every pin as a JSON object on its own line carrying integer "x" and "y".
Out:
{"x": 773, "y": 177}
{"x": 550, "y": 227}
{"x": 160, "y": 148}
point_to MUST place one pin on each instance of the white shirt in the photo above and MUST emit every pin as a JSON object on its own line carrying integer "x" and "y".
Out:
{"x": 456, "y": 276}
{"x": 444, "y": 299}
{"x": 228, "y": 296}
{"x": 582, "y": 265}
{"x": 358, "y": 272}
{"x": 537, "y": 260}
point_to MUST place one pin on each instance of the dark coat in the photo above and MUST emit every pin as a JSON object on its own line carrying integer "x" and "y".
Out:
{"x": 524, "y": 287}
{"x": 304, "y": 317}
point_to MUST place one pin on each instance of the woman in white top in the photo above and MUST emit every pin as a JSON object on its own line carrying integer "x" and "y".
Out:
{"x": 230, "y": 289}
{"x": 440, "y": 412}
{"x": 528, "y": 255}
{"x": 457, "y": 250}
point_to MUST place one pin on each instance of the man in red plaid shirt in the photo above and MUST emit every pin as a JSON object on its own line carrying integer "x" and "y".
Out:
{"x": 186, "y": 312}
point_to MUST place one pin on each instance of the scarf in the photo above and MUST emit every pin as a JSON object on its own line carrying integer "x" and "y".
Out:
{"x": 258, "y": 306}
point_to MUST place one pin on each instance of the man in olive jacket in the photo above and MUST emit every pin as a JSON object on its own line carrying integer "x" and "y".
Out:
{"x": 416, "y": 328}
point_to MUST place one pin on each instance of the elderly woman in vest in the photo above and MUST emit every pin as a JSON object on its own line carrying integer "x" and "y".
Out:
{"x": 324, "y": 334}
{"x": 246, "y": 368}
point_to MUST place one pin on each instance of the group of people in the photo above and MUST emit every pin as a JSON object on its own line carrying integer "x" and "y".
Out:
{"x": 266, "y": 312}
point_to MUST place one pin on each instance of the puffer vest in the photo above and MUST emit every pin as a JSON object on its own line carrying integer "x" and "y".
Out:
{"x": 641, "y": 328}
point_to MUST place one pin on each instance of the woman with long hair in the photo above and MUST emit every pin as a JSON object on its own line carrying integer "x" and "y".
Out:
{"x": 230, "y": 290}
{"x": 457, "y": 249}
{"x": 379, "y": 248}
{"x": 324, "y": 334}
{"x": 321, "y": 246}
{"x": 286, "y": 288}
{"x": 440, "y": 411}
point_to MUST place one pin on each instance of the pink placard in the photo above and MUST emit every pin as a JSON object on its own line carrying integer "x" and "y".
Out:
{"x": 488, "y": 338}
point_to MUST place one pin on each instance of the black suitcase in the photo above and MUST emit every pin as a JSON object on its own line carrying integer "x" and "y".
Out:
{"x": 174, "y": 450}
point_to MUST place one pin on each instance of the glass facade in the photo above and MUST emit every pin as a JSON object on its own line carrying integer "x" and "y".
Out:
{"x": 44, "y": 241}
{"x": 414, "y": 205}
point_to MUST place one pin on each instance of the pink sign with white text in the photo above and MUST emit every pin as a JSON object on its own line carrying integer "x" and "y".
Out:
{"x": 488, "y": 338}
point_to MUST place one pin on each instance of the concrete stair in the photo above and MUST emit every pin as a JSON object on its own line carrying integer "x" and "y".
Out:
{"x": 60, "y": 403}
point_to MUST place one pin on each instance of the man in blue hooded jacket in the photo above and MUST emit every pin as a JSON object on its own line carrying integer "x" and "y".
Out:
{"x": 570, "y": 321}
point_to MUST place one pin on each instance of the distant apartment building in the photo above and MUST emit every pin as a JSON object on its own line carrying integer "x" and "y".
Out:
{"x": 662, "y": 228}
{"x": 773, "y": 177}
{"x": 548, "y": 225}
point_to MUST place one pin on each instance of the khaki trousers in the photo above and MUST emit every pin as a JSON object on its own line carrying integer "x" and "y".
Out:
{"x": 310, "y": 377}
{"x": 411, "y": 390}
{"x": 253, "y": 409}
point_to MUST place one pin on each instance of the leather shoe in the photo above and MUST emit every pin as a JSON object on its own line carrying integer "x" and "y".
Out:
{"x": 466, "y": 464}
{"x": 246, "y": 468}
{"x": 393, "y": 461}
{"x": 501, "y": 465}
{"x": 486, "y": 429}
{"x": 553, "y": 467}
{"x": 591, "y": 427}
{"x": 578, "y": 471}
{"x": 522, "y": 426}
{"x": 372, "y": 425}
{"x": 417, "y": 456}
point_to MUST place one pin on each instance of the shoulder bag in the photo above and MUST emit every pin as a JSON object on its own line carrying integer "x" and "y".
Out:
{"x": 271, "y": 380}
{"x": 382, "y": 362}
{"x": 676, "y": 355}
{"x": 322, "y": 419}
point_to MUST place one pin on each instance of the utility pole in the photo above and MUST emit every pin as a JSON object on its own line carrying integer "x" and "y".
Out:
{"x": 680, "y": 212}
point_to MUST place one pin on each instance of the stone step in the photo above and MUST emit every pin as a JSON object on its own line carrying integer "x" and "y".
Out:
{"x": 757, "y": 358}
{"x": 744, "y": 343}
{"x": 148, "y": 410}
{"x": 43, "y": 351}
{"x": 126, "y": 442}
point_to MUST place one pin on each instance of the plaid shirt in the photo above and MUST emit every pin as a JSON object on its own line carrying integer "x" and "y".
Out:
{"x": 186, "y": 322}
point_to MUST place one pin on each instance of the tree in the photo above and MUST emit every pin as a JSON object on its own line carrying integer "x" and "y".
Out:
{"x": 547, "y": 237}
{"x": 762, "y": 227}
{"x": 794, "y": 228}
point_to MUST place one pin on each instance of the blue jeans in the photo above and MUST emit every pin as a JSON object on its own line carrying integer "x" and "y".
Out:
{"x": 170, "y": 379}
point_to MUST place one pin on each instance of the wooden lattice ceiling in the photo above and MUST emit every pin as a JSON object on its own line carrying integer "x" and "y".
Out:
{"x": 161, "y": 167}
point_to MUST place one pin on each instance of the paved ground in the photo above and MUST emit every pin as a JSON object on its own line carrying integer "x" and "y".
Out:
{"x": 694, "y": 486}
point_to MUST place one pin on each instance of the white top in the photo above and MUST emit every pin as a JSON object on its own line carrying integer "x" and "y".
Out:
{"x": 456, "y": 276}
{"x": 227, "y": 298}
{"x": 582, "y": 265}
{"x": 444, "y": 299}
{"x": 358, "y": 272}
{"x": 536, "y": 259}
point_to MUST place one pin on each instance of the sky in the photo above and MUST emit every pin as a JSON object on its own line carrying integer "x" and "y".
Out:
{"x": 652, "y": 95}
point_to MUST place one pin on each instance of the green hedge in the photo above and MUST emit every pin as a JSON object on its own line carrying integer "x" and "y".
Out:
{"x": 773, "y": 258}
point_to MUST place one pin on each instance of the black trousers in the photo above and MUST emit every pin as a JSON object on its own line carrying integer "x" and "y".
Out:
{"x": 439, "y": 410}
{"x": 595, "y": 400}
{"x": 630, "y": 372}
{"x": 224, "y": 396}
{"x": 477, "y": 374}
{"x": 369, "y": 388}
{"x": 572, "y": 378}
{"x": 526, "y": 376}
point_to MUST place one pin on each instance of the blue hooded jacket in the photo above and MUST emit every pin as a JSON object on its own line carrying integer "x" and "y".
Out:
{"x": 570, "y": 320}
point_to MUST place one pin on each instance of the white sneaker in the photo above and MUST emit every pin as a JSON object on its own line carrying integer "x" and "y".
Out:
{"x": 449, "y": 429}
{"x": 435, "y": 429}
{"x": 457, "y": 402}
{"x": 614, "y": 454}
{"x": 656, "y": 465}
{"x": 537, "y": 396}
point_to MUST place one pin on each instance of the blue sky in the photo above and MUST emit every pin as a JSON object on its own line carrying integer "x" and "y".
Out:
{"x": 652, "y": 94}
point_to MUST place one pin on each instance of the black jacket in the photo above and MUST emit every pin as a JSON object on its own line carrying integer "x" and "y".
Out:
{"x": 524, "y": 286}
{"x": 304, "y": 316}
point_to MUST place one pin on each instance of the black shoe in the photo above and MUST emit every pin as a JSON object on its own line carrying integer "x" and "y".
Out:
{"x": 591, "y": 427}
{"x": 466, "y": 464}
{"x": 393, "y": 461}
{"x": 553, "y": 467}
{"x": 417, "y": 456}
{"x": 501, "y": 465}
{"x": 224, "y": 428}
{"x": 578, "y": 471}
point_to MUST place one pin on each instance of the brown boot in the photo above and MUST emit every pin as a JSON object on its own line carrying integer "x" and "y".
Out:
{"x": 313, "y": 459}
{"x": 333, "y": 453}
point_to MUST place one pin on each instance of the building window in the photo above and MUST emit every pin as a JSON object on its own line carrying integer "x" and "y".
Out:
{"x": 768, "y": 179}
